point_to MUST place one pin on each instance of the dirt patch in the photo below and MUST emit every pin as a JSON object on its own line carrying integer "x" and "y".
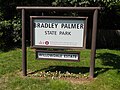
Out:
{"x": 78, "y": 80}
{"x": 70, "y": 79}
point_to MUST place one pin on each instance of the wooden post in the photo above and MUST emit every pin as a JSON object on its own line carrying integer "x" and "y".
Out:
{"x": 93, "y": 46}
{"x": 24, "y": 58}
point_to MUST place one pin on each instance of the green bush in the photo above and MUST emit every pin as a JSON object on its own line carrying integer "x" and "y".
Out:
{"x": 16, "y": 24}
{"x": 10, "y": 33}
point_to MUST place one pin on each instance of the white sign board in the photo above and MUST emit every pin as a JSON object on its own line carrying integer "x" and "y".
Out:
{"x": 66, "y": 56}
{"x": 57, "y": 32}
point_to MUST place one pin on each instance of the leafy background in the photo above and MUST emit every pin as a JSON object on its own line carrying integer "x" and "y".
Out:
{"x": 108, "y": 21}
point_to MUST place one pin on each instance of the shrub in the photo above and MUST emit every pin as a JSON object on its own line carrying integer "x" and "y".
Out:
{"x": 10, "y": 33}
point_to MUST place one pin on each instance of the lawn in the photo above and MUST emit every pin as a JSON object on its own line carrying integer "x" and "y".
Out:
{"x": 60, "y": 75}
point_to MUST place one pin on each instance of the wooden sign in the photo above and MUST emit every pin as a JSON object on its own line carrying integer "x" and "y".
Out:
{"x": 58, "y": 32}
{"x": 57, "y": 55}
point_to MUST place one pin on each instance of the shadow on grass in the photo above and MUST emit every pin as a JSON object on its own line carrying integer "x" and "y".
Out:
{"x": 74, "y": 70}
{"x": 64, "y": 69}
{"x": 109, "y": 59}
{"x": 8, "y": 48}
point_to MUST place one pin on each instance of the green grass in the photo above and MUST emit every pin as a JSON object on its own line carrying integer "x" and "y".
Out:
{"x": 107, "y": 72}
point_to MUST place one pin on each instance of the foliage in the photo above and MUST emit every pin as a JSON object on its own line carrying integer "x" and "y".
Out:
{"x": 5, "y": 33}
{"x": 10, "y": 33}
{"x": 10, "y": 21}
{"x": 111, "y": 9}
{"x": 16, "y": 24}
{"x": 10, "y": 26}
{"x": 70, "y": 3}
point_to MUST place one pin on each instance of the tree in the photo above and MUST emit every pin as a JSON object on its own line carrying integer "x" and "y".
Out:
{"x": 10, "y": 22}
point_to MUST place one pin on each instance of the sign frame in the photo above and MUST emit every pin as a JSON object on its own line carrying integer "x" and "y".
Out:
{"x": 32, "y": 34}
{"x": 94, "y": 10}
{"x": 56, "y": 52}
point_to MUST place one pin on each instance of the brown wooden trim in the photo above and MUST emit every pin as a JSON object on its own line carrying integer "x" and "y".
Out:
{"x": 60, "y": 8}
